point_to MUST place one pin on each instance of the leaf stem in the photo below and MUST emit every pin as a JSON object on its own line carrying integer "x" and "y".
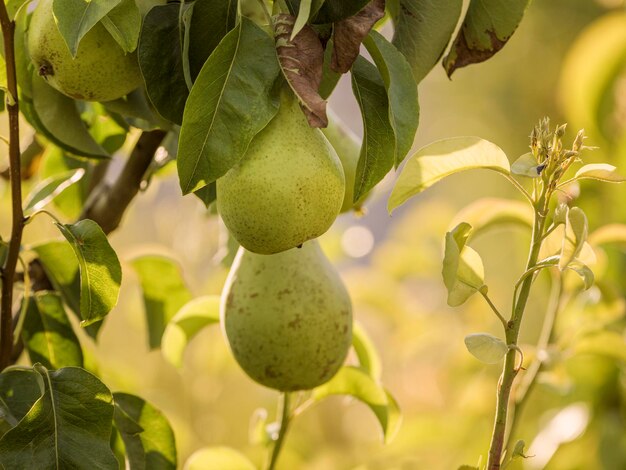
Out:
{"x": 510, "y": 370}
{"x": 493, "y": 307}
{"x": 285, "y": 418}
{"x": 520, "y": 188}
{"x": 17, "y": 225}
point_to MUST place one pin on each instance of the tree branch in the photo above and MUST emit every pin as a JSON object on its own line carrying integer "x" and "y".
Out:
{"x": 17, "y": 225}
{"x": 108, "y": 203}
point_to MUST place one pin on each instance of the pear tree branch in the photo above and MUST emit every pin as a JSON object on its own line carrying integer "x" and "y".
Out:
{"x": 17, "y": 224}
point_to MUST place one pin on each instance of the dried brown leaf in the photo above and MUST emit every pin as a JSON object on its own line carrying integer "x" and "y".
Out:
{"x": 302, "y": 63}
{"x": 348, "y": 34}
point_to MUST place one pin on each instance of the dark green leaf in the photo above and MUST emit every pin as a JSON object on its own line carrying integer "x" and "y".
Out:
{"x": 210, "y": 22}
{"x": 137, "y": 110}
{"x": 230, "y": 102}
{"x": 187, "y": 323}
{"x": 161, "y": 62}
{"x": 20, "y": 388}
{"x": 422, "y": 31}
{"x": 47, "y": 333}
{"x": 57, "y": 117}
{"x": 75, "y": 18}
{"x": 147, "y": 435}
{"x": 68, "y": 427}
{"x": 487, "y": 27}
{"x": 330, "y": 78}
{"x": 100, "y": 270}
{"x": 401, "y": 90}
{"x": 377, "y": 150}
{"x": 208, "y": 194}
{"x": 164, "y": 292}
{"x": 123, "y": 23}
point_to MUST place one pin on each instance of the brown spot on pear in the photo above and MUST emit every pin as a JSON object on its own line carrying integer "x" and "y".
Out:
{"x": 297, "y": 333}
{"x": 101, "y": 70}
{"x": 287, "y": 189}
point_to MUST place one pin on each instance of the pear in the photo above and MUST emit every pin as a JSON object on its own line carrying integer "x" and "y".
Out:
{"x": 288, "y": 188}
{"x": 348, "y": 149}
{"x": 287, "y": 317}
{"x": 101, "y": 70}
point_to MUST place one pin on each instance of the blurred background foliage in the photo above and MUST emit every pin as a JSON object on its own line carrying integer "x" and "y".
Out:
{"x": 566, "y": 61}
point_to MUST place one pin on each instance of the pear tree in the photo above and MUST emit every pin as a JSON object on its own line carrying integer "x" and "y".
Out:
{"x": 233, "y": 95}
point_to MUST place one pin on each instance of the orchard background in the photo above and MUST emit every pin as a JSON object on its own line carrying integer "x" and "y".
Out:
{"x": 392, "y": 268}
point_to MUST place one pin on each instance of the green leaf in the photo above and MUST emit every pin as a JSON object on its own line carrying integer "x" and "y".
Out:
{"x": 123, "y": 22}
{"x": 486, "y": 348}
{"x": 146, "y": 432}
{"x": 100, "y": 270}
{"x": 13, "y": 7}
{"x": 463, "y": 271}
{"x": 228, "y": 105}
{"x": 366, "y": 353}
{"x": 526, "y": 165}
{"x": 164, "y": 292}
{"x": 208, "y": 194}
{"x": 518, "y": 450}
{"x": 47, "y": 333}
{"x": 422, "y": 30}
{"x": 210, "y": 22}
{"x": 585, "y": 273}
{"x": 575, "y": 236}
{"x": 377, "y": 150}
{"x": 68, "y": 427}
{"x": 488, "y": 213}
{"x": 20, "y": 388}
{"x": 190, "y": 319}
{"x": 468, "y": 467}
{"x": 487, "y": 26}
{"x": 160, "y": 59}
{"x": 599, "y": 171}
{"x": 75, "y": 18}
{"x": 357, "y": 383}
{"x": 222, "y": 458}
{"x": 330, "y": 78}
{"x": 50, "y": 188}
{"x": 336, "y": 10}
{"x": 62, "y": 269}
{"x": 401, "y": 91}
{"x": 304, "y": 11}
{"x": 603, "y": 343}
{"x": 432, "y": 163}
{"x": 57, "y": 117}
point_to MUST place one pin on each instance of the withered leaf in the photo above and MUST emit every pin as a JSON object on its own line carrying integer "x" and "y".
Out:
{"x": 301, "y": 61}
{"x": 348, "y": 34}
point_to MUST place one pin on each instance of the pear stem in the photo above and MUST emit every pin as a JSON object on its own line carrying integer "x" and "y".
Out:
{"x": 17, "y": 226}
{"x": 285, "y": 418}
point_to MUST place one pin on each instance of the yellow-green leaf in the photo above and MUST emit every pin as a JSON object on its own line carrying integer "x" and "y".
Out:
{"x": 486, "y": 348}
{"x": 435, "y": 161}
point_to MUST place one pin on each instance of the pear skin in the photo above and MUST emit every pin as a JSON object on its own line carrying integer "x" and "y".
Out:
{"x": 288, "y": 188}
{"x": 287, "y": 317}
{"x": 101, "y": 70}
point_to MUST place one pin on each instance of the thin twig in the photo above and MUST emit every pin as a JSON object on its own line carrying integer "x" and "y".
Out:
{"x": 494, "y": 308}
{"x": 17, "y": 225}
{"x": 285, "y": 418}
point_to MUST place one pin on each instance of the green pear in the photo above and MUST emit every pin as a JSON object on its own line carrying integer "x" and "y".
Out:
{"x": 288, "y": 188}
{"x": 287, "y": 317}
{"x": 348, "y": 148}
{"x": 101, "y": 70}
